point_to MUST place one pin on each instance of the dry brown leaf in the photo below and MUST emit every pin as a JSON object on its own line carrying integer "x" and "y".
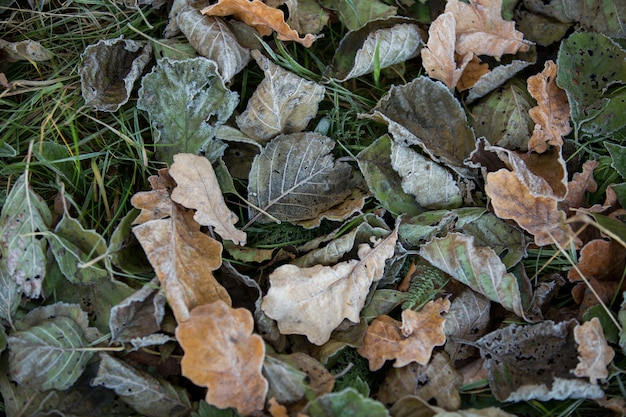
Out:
{"x": 183, "y": 259}
{"x": 263, "y": 18}
{"x": 551, "y": 115}
{"x": 413, "y": 340}
{"x": 298, "y": 296}
{"x": 581, "y": 184}
{"x": 198, "y": 189}
{"x": 277, "y": 410}
{"x": 221, "y": 353}
{"x": 596, "y": 260}
{"x": 480, "y": 29}
{"x": 473, "y": 72}
{"x": 594, "y": 354}
{"x": 155, "y": 204}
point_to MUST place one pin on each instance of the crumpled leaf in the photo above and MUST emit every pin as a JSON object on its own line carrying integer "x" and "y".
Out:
{"x": 413, "y": 340}
{"x": 438, "y": 125}
{"x": 222, "y": 354}
{"x": 297, "y": 295}
{"x": 551, "y": 115}
{"x": 438, "y": 54}
{"x": 24, "y": 216}
{"x": 392, "y": 41}
{"x": 109, "y": 70}
{"x": 197, "y": 188}
{"x": 296, "y": 178}
{"x": 26, "y": 50}
{"x": 594, "y": 352}
{"x": 181, "y": 96}
{"x": 212, "y": 38}
{"x": 183, "y": 258}
{"x": 263, "y": 18}
{"x": 467, "y": 319}
{"x": 142, "y": 391}
{"x": 343, "y": 403}
{"x": 481, "y": 30}
{"x": 534, "y": 362}
{"x": 282, "y": 103}
{"x": 478, "y": 267}
{"x": 606, "y": 17}
{"x": 432, "y": 185}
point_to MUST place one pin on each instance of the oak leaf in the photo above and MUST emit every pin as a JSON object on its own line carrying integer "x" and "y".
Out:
{"x": 594, "y": 354}
{"x": 480, "y": 29}
{"x": 155, "y": 204}
{"x": 581, "y": 184}
{"x": 551, "y": 115}
{"x": 411, "y": 340}
{"x": 222, "y": 354}
{"x": 260, "y": 16}
{"x": 297, "y": 296}
{"x": 197, "y": 188}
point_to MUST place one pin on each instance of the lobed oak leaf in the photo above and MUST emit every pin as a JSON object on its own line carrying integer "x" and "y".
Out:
{"x": 594, "y": 354}
{"x": 297, "y": 296}
{"x": 581, "y": 183}
{"x": 222, "y": 354}
{"x": 197, "y": 188}
{"x": 480, "y": 29}
{"x": 411, "y": 340}
{"x": 260, "y": 16}
{"x": 551, "y": 115}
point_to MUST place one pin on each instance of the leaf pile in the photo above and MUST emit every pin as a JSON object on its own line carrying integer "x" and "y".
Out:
{"x": 413, "y": 284}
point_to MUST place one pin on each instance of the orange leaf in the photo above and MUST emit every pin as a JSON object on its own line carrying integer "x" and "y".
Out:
{"x": 581, "y": 183}
{"x": 599, "y": 259}
{"x": 221, "y": 353}
{"x": 472, "y": 73}
{"x": 551, "y": 116}
{"x": 413, "y": 340}
{"x": 260, "y": 16}
{"x": 594, "y": 354}
{"x": 480, "y": 29}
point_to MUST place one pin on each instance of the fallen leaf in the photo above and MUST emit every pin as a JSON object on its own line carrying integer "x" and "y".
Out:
{"x": 282, "y": 103}
{"x": 551, "y": 115}
{"x": 297, "y": 295}
{"x": 413, "y": 340}
{"x": 467, "y": 319}
{"x": 155, "y": 204}
{"x": 344, "y": 403}
{"x": 599, "y": 259}
{"x": 498, "y": 76}
{"x": 197, "y": 188}
{"x": 222, "y": 354}
{"x": 598, "y": 16}
{"x": 355, "y": 15}
{"x": 263, "y": 18}
{"x": 277, "y": 410}
{"x": 473, "y": 73}
{"x": 581, "y": 184}
{"x": 183, "y": 259}
{"x": 481, "y": 30}
{"x": 26, "y": 50}
{"x": 594, "y": 354}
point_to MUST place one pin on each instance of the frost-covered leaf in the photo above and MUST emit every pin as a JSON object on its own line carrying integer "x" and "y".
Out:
{"x": 282, "y": 103}
{"x": 618, "y": 157}
{"x": 411, "y": 340}
{"x": 477, "y": 267}
{"x": 534, "y": 362}
{"x": 109, "y": 71}
{"x": 297, "y": 295}
{"x": 145, "y": 393}
{"x": 343, "y": 403}
{"x": 497, "y": 77}
{"x": 187, "y": 102}
{"x": 355, "y": 14}
{"x": 467, "y": 319}
{"x": 296, "y": 178}
{"x": 212, "y": 38}
{"x": 263, "y": 18}
{"x": 10, "y": 295}
{"x": 378, "y": 44}
{"x": 24, "y": 216}
{"x": 432, "y": 185}
{"x": 607, "y": 17}
{"x": 437, "y": 124}
{"x": 197, "y": 188}
{"x": 594, "y": 353}
{"x": 26, "y": 50}
{"x": 286, "y": 383}
{"x": 222, "y": 354}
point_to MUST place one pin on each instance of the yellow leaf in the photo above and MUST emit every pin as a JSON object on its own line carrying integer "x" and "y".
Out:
{"x": 260, "y": 16}
{"x": 594, "y": 354}
{"x": 222, "y": 354}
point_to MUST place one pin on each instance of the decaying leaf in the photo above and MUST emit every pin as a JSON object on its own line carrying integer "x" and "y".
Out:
{"x": 222, "y": 354}
{"x": 197, "y": 188}
{"x": 298, "y": 295}
{"x": 467, "y": 319}
{"x": 581, "y": 184}
{"x": 594, "y": 353}
{"x": 183, "y": 259}
{"x": 282, "y": 103}
{"x": 551, "y": 115}
{"x": 481, "y": 30}
{"x": 598, "y": 16}
{"x": 263, "y": 18}
{"x": 413, "y": 340}
{"x": 26, "y": 50}
{"x": 296, "y": 178}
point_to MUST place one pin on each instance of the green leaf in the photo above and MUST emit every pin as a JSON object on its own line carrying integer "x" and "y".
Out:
{"x": 208, "y": 410}
{"x": 591, "y": 71}
{"x": 348, "y": 402}
{"x": 604, "y": 16}
{"x": 356, "y": 13}
{"x": 126, "y": 252}
{"x": 610, "y": 224}
{"x": 145, "y": 393}
{"x": 187, "y": 101}
{"x": 50, "y": 355}
{"x": 24, "y": 217}
{"x": 618, "y": 157}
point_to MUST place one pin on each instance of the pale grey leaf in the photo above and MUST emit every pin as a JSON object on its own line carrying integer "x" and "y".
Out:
{"x": 467, "y": 319}
{"x": 494, "y": 79}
